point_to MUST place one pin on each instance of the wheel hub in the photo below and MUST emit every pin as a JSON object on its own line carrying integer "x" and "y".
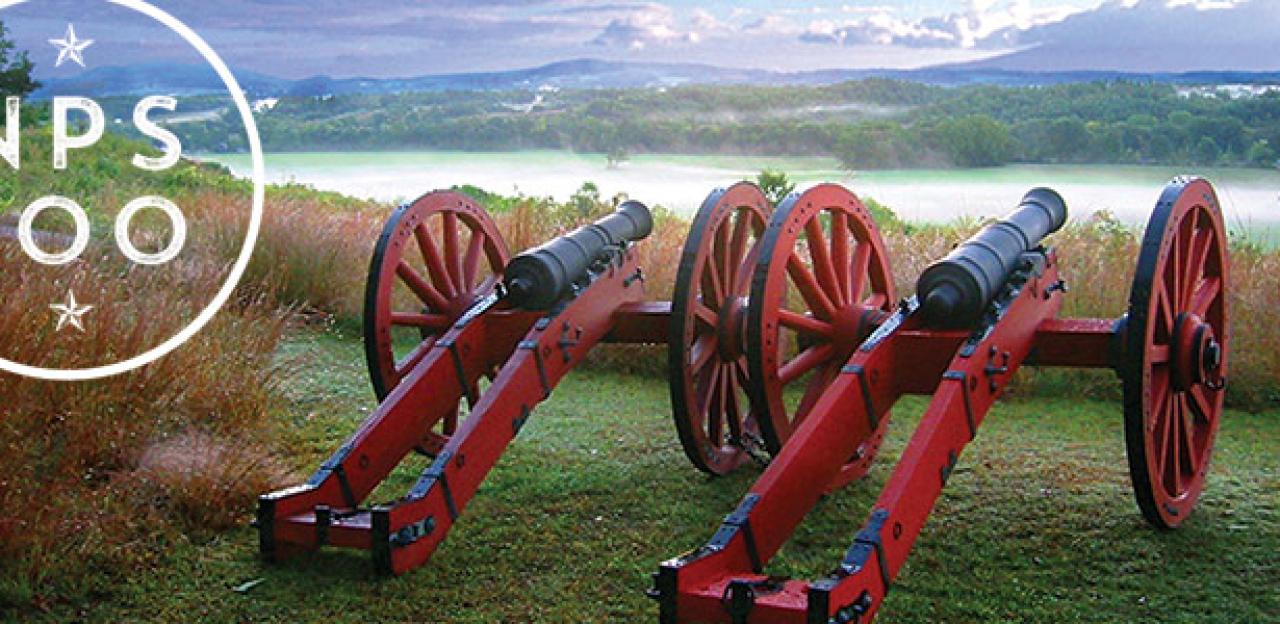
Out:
{"x": 460, "y": 304}
{"x": 1197, "y": 354}
{"x": 852, "y": 324}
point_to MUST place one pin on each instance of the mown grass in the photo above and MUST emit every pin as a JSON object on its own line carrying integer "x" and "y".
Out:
{"x": 1037, "y": 525}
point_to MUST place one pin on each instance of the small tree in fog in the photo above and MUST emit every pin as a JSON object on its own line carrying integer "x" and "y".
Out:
{"x": 616, "y": 156}
{"x": 775, "y": 184}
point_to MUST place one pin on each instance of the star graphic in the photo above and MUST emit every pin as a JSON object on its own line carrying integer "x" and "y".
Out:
{"x": 70, "y": 48}
{"x": 69, "y": 313}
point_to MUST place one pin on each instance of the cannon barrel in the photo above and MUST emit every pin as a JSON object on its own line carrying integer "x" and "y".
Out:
{"x": 956, "y": 290}
{"x": 539, "y": 277}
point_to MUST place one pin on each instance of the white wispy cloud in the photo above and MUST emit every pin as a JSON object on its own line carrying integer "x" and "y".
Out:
{"x": 985, "y": 23}
{"x": 655, "y": 24}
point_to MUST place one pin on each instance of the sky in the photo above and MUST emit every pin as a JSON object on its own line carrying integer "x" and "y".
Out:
{"x": 396, "y": 38}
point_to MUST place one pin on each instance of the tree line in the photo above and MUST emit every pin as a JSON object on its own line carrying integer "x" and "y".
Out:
{"x": 866, "y": 124}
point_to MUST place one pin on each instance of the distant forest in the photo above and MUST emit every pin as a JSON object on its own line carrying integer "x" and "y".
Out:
{"x": 866, "y": 124}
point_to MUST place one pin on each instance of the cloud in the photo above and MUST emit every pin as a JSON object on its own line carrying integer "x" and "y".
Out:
{"x": 881, "y": 29}
{"x": 704, "y": 21}
{"x": 984, "y": 24}
{"x": 771, "y": 25}
{"x": 1204, "y": 5}
{"x": 654, "y": 25}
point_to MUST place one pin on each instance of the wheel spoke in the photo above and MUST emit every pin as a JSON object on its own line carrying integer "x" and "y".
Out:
{"x": 720, "y": 259}
{"x": 471, "y": 263}
{"x": 742, "y": 283}
{"x": 858, "y": 277}
{"x": 733, "y": 412}
{"x": 804, "y": 323}
{"x": 712, "y": 287}
{"x": 840, "y": 254}
{"x": 452, "y": 255}
{"x": 1175, "y": 428}
{"x": 403, "y": 367}
{"x": 1194, "y": 270}
{"x": 428, "y": 294}
{"x": 426, "y": 321}
{"x": 708, "y": 399}
{"x": 808, "y": 287}
{"x": 1189, "y": 439}
{"x": 806, "y": 361}
{"x": 1159, "y": 410}
{"x": 740, "y": 372}
{"x": 721, "y": 405}
{"x": 817, "y": 385}
{"x": 738, "y": 245}
{"x": 818, "y": 252}
{"x": 435, "y": 263}
{"x": 1201, "y": 405}
{"x": 701, "y": 352}
{"x": 1205, "y": 295}
{"x": 1165, "y": 309}
{"x": 706, "y": 315}
{"x": 1159, "y": 388}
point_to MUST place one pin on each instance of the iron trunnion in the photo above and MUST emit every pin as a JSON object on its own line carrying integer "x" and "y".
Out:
{"x": 770, "y": 305}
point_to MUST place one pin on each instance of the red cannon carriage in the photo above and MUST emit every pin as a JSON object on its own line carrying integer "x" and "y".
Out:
{"x": 787, "y": 343}
{"x": 979, "y": 314}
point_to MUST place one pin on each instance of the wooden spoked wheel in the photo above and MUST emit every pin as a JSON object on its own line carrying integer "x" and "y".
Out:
{"x": 709, "y": 377}
{"x": 436, "y": 257}
{"x": 821, "y": 285}
{"x": 1176, "y": 339}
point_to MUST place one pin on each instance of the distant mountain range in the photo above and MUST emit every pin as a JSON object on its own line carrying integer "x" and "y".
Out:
{"x": 1147, "y": 35}
{"x": 582, "y": 74}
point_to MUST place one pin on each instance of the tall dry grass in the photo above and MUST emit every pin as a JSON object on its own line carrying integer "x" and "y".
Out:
{"x": 1254, "y": 302}
{"x": 70, "y": 452}
{"x": 1098, "y": 258}
{"x": 95, "y": 476}
{"x": 308, "y": 255}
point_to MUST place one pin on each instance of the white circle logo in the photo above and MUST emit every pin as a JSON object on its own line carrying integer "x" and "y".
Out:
{"x": 71, "y": 50}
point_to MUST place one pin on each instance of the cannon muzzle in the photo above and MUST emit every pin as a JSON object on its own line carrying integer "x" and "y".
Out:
{"x": 539, "y": 277}
{"x": 956, "y": 290}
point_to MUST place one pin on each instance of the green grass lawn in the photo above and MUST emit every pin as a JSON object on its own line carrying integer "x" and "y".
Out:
{"x": 1037, "y": 524}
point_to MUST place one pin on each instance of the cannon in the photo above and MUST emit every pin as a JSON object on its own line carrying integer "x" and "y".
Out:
{"x": 539, "y": 278}
{"x": 956, "y": 290}
{"x": 787, "y": 346}
{"x": 463, "y": 341}
{"x": 978, "y": 315}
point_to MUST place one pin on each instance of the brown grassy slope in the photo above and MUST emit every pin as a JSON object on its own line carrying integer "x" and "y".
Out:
{"x": 69, "y": 452}
{"x": 95, "y": 475}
